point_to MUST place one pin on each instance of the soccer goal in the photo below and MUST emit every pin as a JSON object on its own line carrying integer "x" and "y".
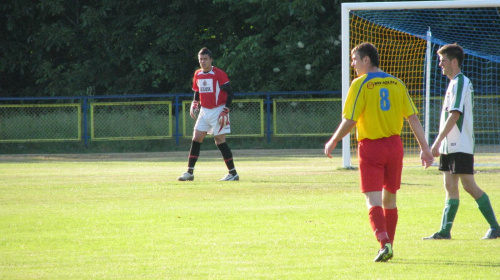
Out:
{"x": 407, "y": 35}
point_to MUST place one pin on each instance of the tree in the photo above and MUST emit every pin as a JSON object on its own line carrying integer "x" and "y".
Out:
{"x": 284, "y": 45}
{"x": 78, "y": 47}
{"x": 82, "y": 47}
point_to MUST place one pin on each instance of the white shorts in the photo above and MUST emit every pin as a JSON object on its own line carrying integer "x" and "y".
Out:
{"x": 208, "y": 121}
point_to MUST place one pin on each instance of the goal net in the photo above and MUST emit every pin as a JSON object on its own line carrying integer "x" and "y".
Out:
{"x": 407, "y": 35}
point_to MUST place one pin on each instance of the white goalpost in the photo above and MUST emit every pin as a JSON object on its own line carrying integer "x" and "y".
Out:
{"x": 414, "y": 30}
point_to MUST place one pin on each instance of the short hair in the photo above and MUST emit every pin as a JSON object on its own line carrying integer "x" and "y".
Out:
{"x": 453, "y": 51}
{"x": 368, "y": 49}
{"x": 205, "y": 50}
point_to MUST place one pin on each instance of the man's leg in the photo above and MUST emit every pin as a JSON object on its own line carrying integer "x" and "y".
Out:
{"x": 378, "y": 224}
{"x": 392, "y": 183}
{"x": 376, "y": 216}
{"x": 390, "y": 214}
{"x": 483, "y": 203}
{"x": 194, "y": 153}
{"x": 450, "y": 208}
{"x": 452, "y": 203}
{"x": 227, "y": 155}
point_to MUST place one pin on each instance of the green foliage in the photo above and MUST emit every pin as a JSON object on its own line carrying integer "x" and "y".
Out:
{"x": 84, "y": 47}
{"x": 284, "y": 46}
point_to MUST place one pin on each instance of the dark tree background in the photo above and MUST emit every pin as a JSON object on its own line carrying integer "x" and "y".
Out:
{"x": 91, "y": 47}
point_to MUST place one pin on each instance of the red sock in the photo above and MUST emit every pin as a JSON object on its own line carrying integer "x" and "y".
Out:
{"x": 391, "y": 221}
{"x": 377, "y": 221}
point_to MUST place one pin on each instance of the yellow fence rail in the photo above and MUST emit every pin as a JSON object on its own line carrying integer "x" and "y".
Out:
{"x": 113, "y": 120}
{"x": 40, "y": 122}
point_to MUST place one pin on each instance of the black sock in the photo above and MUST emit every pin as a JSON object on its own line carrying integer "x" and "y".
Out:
{"x": 193, "y": 155}
{"x": 228, "y": 157}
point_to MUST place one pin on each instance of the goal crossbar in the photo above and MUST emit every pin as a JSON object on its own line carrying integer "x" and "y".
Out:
{"x": 420, "y": 5}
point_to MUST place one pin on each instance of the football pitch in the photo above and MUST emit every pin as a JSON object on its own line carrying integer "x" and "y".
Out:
{"x": 294, "y": 214}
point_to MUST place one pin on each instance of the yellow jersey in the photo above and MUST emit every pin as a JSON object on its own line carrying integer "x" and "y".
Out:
{"x": 378, "y": 102}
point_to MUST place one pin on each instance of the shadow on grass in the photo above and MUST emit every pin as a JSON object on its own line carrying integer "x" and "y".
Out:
{"x": 445, "y": 262}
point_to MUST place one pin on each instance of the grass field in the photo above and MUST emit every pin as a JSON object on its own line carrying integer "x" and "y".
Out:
{"x": 294, "y": 215}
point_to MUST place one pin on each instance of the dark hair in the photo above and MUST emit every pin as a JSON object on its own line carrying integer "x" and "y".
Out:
{"x": 205, "y": 50}
{"x": 367, "y": 49}
{"x": 453, "y": 51}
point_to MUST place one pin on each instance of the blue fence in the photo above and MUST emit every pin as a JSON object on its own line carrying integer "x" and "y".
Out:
{"x": 178, "y": 102}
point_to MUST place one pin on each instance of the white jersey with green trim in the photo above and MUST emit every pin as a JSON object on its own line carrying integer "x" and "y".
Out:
{"x": 459, "y": 97}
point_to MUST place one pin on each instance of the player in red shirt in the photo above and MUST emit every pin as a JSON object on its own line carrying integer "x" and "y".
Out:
{"x": 212, "y": 100}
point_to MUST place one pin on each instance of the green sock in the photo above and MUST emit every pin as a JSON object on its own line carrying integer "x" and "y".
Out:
{"x": 449, "y": 213}
{"x": 484, "y": 205}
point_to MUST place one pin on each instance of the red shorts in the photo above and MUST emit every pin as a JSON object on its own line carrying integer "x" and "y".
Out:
{"x": 380, "y": 164}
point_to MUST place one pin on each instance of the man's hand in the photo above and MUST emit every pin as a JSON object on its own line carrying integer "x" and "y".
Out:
{"x": 451, "y": 121}
{"x": 344, "y": 128}
{"x": 435, "y": 148}
{"x": 195, "y": 109}
{"x": 329, "y": 146}
{"x": 427, "y": 158}
{"x": 224, "y": 118}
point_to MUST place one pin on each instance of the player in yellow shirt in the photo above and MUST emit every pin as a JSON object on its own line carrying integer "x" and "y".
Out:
{"x": 376, "y": 105}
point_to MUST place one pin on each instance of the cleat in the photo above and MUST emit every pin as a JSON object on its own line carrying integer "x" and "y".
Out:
{"x": 384, "y": 254}
{"x": 231, "y": 177}
{"x": 186, "y": 176}
{"x": 437, "y": 236}
{"x": 492, "y": 233}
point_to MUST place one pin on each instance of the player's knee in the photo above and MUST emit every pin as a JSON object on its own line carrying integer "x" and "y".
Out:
{"x": 389, "y": 201}
{"x": 219, "y": 139}
{"x": 474, "y": 190}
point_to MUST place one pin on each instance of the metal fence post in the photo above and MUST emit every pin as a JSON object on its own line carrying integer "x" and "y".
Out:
{"x": 85, "y": 134}
{"x": 268, "y": 102}
{"x": 176, "y": 106}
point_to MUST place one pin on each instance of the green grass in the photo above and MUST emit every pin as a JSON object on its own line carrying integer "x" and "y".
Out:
{"x": 293, "y": 215}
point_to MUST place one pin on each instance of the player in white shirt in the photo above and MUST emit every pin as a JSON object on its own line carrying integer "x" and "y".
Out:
{"x": 459, "y": 98}
{"x": 455, "y": 144}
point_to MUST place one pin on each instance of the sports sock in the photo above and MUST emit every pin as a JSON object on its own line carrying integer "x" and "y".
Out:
{"x": 377, "y": 222}
{"x": 228, "y": 157}
{"x": 194, "y": 153}
{"x": 449, "y": 213}
{"x": 391, "y": 221}
{"x": 484, "y": 205}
